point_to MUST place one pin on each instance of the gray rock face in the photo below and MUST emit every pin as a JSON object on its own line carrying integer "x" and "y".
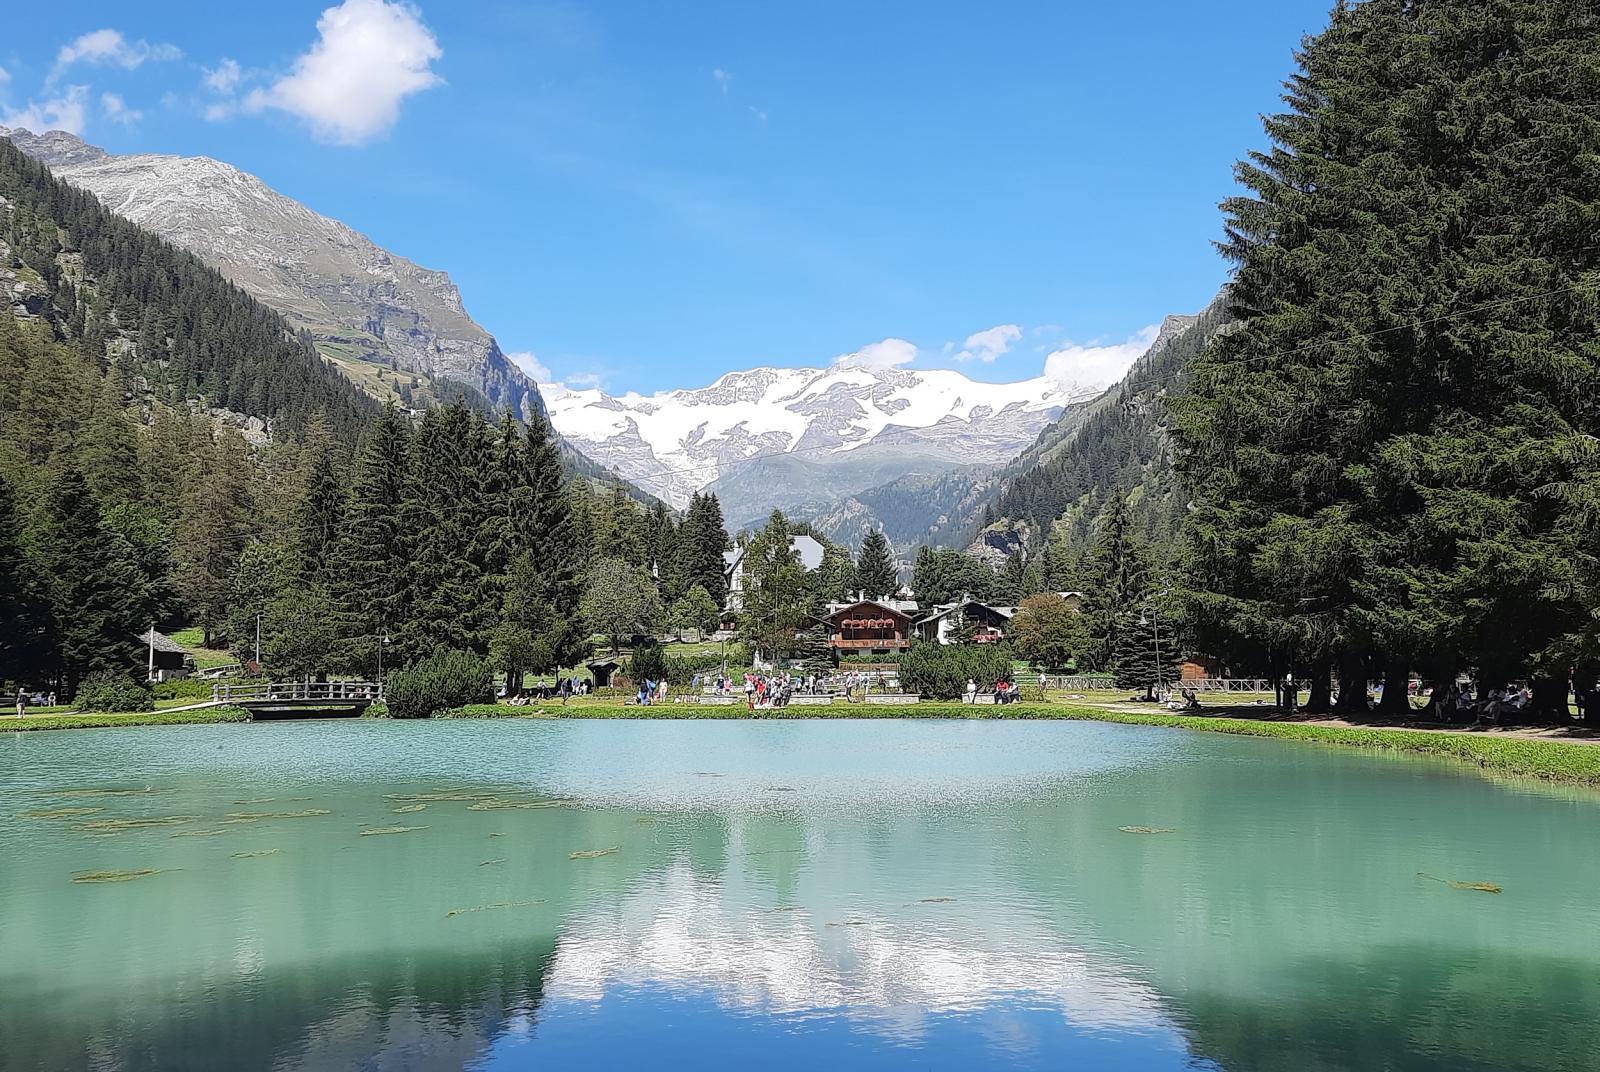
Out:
{"x": 358, "y": 300}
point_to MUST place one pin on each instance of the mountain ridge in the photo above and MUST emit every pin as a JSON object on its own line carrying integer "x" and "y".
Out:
{"x": 361, "y": 303}
{"x": 818, "y": 420}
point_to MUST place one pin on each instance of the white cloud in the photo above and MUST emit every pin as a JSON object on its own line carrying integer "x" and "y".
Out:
{"x": 759, "y": 113}
{"x": 987, "y": 345}
{"x": 216, "y": 113}
{"x": 586, "y": 379}
{"x": 117, "y": 109}
{"x": 885, "y": 354}
{"x": 110, "y": 47}
{"x": 68, "y": 112}
{"x": 370, "y": 56}
{"x": 5, "y": 76}
{"x": 723, "y": 78}
{"x": 1096, "y": 366}
{"x": 223, "y": 78}
{"x": 531, "y": 366}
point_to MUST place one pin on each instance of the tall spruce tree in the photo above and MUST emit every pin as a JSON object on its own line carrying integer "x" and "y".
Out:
{"x": 1117, "y": 583}
{"x": 875, "y": 570}
{"x": 92, "y": 585}
{"x": 1372, "y": 451}
{"x": 372, "y": 555}
{"x": 26, "y": 637}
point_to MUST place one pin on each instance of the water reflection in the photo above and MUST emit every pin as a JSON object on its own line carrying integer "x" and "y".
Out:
{"x": 921, "y": 896}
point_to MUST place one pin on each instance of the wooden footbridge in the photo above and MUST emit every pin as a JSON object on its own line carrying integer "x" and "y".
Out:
{"x": 301, "y": 699}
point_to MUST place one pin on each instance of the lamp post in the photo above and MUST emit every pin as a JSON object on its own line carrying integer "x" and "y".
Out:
{"x": 383, "y": 642}
{"x": 1155, "y": 624}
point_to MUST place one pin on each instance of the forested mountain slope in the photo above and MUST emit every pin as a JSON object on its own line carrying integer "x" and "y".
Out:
{"x": 170, "y": 329}
{"x": 371, "y": 311}
{"x": 1119, "y": 440}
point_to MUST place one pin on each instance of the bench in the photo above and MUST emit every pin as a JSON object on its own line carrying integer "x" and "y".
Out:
{"x": 810, "y": 700}
{"x": 891, "y": 698}
{"x": 714, "y": 700}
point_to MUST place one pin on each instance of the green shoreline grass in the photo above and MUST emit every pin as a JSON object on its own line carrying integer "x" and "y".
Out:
{"x": 79, "y": 720}
{"x": 1558, "y": 761}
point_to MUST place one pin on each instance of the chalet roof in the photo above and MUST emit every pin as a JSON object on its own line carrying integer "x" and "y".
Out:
{"x": 162, "y": 642}
{"x": 893, "y": 607}
{"x": 943, "y": 610}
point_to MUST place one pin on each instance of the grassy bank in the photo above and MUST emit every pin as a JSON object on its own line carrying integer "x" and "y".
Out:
{"x": 77, "y": 720}
{"x": 1554, "y": 760}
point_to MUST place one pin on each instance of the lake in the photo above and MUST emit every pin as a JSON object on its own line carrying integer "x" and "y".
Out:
{"x": 783, "y": 895}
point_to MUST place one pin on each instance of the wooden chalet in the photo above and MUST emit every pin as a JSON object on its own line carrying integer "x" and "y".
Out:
{"x": 868, "y": 627}
{"x": 945, "y": 622}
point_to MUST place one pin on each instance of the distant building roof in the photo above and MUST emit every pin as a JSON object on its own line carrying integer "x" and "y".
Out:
{"x": 161, "y": 642}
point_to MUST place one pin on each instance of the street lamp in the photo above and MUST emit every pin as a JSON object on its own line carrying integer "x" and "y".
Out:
{"x": 1155, "y": 625}
{"x": 383, "y": 642}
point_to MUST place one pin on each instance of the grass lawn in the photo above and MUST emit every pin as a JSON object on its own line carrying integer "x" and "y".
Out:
{"x": 74, "y": 720}
{"x": 204, "y": 658}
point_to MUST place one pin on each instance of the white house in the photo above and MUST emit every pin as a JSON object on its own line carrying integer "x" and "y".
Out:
{"x": 809, "y": 550}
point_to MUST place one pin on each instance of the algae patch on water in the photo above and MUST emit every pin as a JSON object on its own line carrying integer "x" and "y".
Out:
{"x": 58, "y": 813}
{"x": 497, "y": 804}
{"x": 255, "y": 853}
{"x": 1476, "y": 887}
{"x": 117, "y": 826}
{"x": 590, "y": 854}
{"x": 390, "y": 830}
{"x": 493, "y": 907}
{"x": 120, "y": 876}
{"x": 410, "y": 808}
{"x": 1148, "y": 829}
{"x": 197, "y": 833}
{"x": 257, "y": 816}
{"x": 147, "y": 791}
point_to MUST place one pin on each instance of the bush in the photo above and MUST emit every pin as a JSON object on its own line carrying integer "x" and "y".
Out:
{"x": 941, "y": 671}
{"x": 443, "y": 680}
{"x": 190, "y": 688}
{"x": 103, "y": 691}
{"x": 647, "y": 661}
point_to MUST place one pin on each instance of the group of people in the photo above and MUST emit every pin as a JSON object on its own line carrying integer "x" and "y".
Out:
{"x": 651, "y": 691}
{"x": 565, "y": 688}
{"x": 1005, "y": 692}
{"x": 769, "y": 691}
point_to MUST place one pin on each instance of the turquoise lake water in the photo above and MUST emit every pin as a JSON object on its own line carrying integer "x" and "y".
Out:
{"x": 783, "y": 895}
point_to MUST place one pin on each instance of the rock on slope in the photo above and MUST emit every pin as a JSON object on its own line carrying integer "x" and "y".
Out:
{"x": 358, "y": 300}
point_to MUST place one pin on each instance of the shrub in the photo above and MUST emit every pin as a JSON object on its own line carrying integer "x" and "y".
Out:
{"x": 647, "y": 661}
{"x": 941, "y": 671}
{"x": 190, "y": 688}
{"x": 105, "y": 691}
{"x": 443, "y": 680}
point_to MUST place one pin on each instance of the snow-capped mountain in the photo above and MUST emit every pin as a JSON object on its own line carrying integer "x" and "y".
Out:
{"x": 791, "y": 437}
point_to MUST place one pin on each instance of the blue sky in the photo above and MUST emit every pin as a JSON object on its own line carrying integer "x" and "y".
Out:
{"x": 650, "y": 194}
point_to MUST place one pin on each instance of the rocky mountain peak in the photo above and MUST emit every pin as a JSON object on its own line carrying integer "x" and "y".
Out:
{"x": 363, "y": 304}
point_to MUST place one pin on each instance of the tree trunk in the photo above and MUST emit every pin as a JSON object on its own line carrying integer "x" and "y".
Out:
{"x": 1320, "y": 702}
{"x": 1396, "y": 688}
{"x": 1549, "y": 703}
{"x": 1352, "y": 685}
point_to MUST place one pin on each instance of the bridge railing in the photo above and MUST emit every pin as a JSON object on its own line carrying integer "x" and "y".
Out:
{"x": 299, "y": 692}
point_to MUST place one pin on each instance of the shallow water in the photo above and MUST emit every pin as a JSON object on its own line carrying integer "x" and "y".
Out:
{"x": 943, "y": 895}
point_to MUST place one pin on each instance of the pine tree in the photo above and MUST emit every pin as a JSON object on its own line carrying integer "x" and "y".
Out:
{"x": 1372, "y": 452}
{"x": 373, "y": 552}
{"x": 26, "y": 638}
{"x": 320, "y": 504}
{"x": 1118, "y": 583}
{"x": 91, "y": 583}
{"x": 875, "y": 568}
{"x": 215, "y": 522}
